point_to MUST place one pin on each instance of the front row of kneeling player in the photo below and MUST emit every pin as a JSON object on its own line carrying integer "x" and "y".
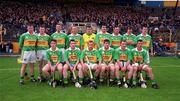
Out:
{"x": 105, "y": 63}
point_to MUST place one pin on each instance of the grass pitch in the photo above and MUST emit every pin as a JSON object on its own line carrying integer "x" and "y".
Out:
{"x": 166, "y": 70}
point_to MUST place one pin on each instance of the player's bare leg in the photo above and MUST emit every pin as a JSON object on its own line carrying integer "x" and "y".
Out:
{"x": 46, "y": 70}
{"x": 80, "y": 73}
{"x": 60, "y": 70}
{"x": 130, "y": 73}
{"x": 112, "y": 71}
{"x": 65, "y": 75}
{"x": 22, "y": 72}
{"x": 102, "y": 72}
{"x": 151, "y": 75}
{"x": 135, "y": 70}
{"x": 117, "y": 68}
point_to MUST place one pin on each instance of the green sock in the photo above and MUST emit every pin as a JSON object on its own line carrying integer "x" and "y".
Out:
{"x": 65, "y": 81}
{"x": 101, "y": 80}
{"x": 128, "y": 81}
{"x": 32, "y": 76}
{"x": 134, "y": 80}
{"x": 153, "y": 81}
{"x": 81, "y": 80}
{"x": 22, "y": 78}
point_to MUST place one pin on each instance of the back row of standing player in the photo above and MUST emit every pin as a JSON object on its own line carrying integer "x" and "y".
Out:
{"x": 110, "y": 53}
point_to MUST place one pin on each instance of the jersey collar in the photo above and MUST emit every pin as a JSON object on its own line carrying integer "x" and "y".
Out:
{"x": 116, "y": 35}
{"x": 143, "y": 35}
{"x": 59, "y": 32}
{"x": 106, "y": 50}
{"x": 74, "y": 35}
{"x": 42, "y": 35}
{"x": 125, "y": 48}
{"x": 52, "y": 50}
{"x": 130, "y": 34}
{"x": 71, "y": 49}
{"x": 102, "y": 33}
{"x": 137, "y": 49}
{"x": 32, "y": 34}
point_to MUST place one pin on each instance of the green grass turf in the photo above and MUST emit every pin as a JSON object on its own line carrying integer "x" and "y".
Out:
{"x": 166, "y": 70}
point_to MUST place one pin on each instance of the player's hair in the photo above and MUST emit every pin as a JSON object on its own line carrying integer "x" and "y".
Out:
{"x": 129, "y": 27}
{"x": 88, "y": 26}
{"x": 59, "y": 23}
{"x": 42, "y": 26}
{"x": 90, "y": 41}
{"x": 54, "y": 41}
{"x": 30, "y": 24}
{"x": 123, "y": 41}
{"x": 72, "y": 40}
{"x": 144, "y": 25}
{"x": 103, "y": 24}
{"x": 106, "y": 40}
{"x": 116, "y": 27}
{"x": 140, "y": 40}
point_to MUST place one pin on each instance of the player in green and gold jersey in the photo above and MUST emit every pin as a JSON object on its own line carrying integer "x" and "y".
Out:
{"x": 61, "y": 38}
{"x": 140, "y": 62}
{"x": 72, "y": 58}
{"x": 101, "y": 36}
{"x": 27, "y": 43}
{"x": 130, "y": 38}
{"x": 92, "y": 56}
{"x": 123, "y": 57}
{"x": 54, "y": 59}
{"x": 107, "y": 54}
{"x": 42, "y": 45}
{"x": 116, "y": 38}
{"x": 77, "y": 37}
{"x": 147, "y": 41}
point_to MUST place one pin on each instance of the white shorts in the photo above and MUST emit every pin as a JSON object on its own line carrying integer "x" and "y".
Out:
{"x": 41, "y": 55}
{"x": 123, "y": 63}
{"x": 108, "y": 64}
{"x": 91, "y": 66}
{"x": 29, "y": 57}
{"x": 143, "y": 67}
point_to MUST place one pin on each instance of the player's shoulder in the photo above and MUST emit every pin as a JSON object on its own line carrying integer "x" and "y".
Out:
{"x": 25, "y": 34}
{"x": 128, "y": 49}
{"x": 53, "y": 33}
{"x": 112, "y": 49}
{"x": 48, "y": 50}
{"x": 100, "y": 49}
{"x": 77, "y": 49}
{"x": 117, "y": 49}
{"x": 144, "y": 50}
{"x": 134, "y": 49}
